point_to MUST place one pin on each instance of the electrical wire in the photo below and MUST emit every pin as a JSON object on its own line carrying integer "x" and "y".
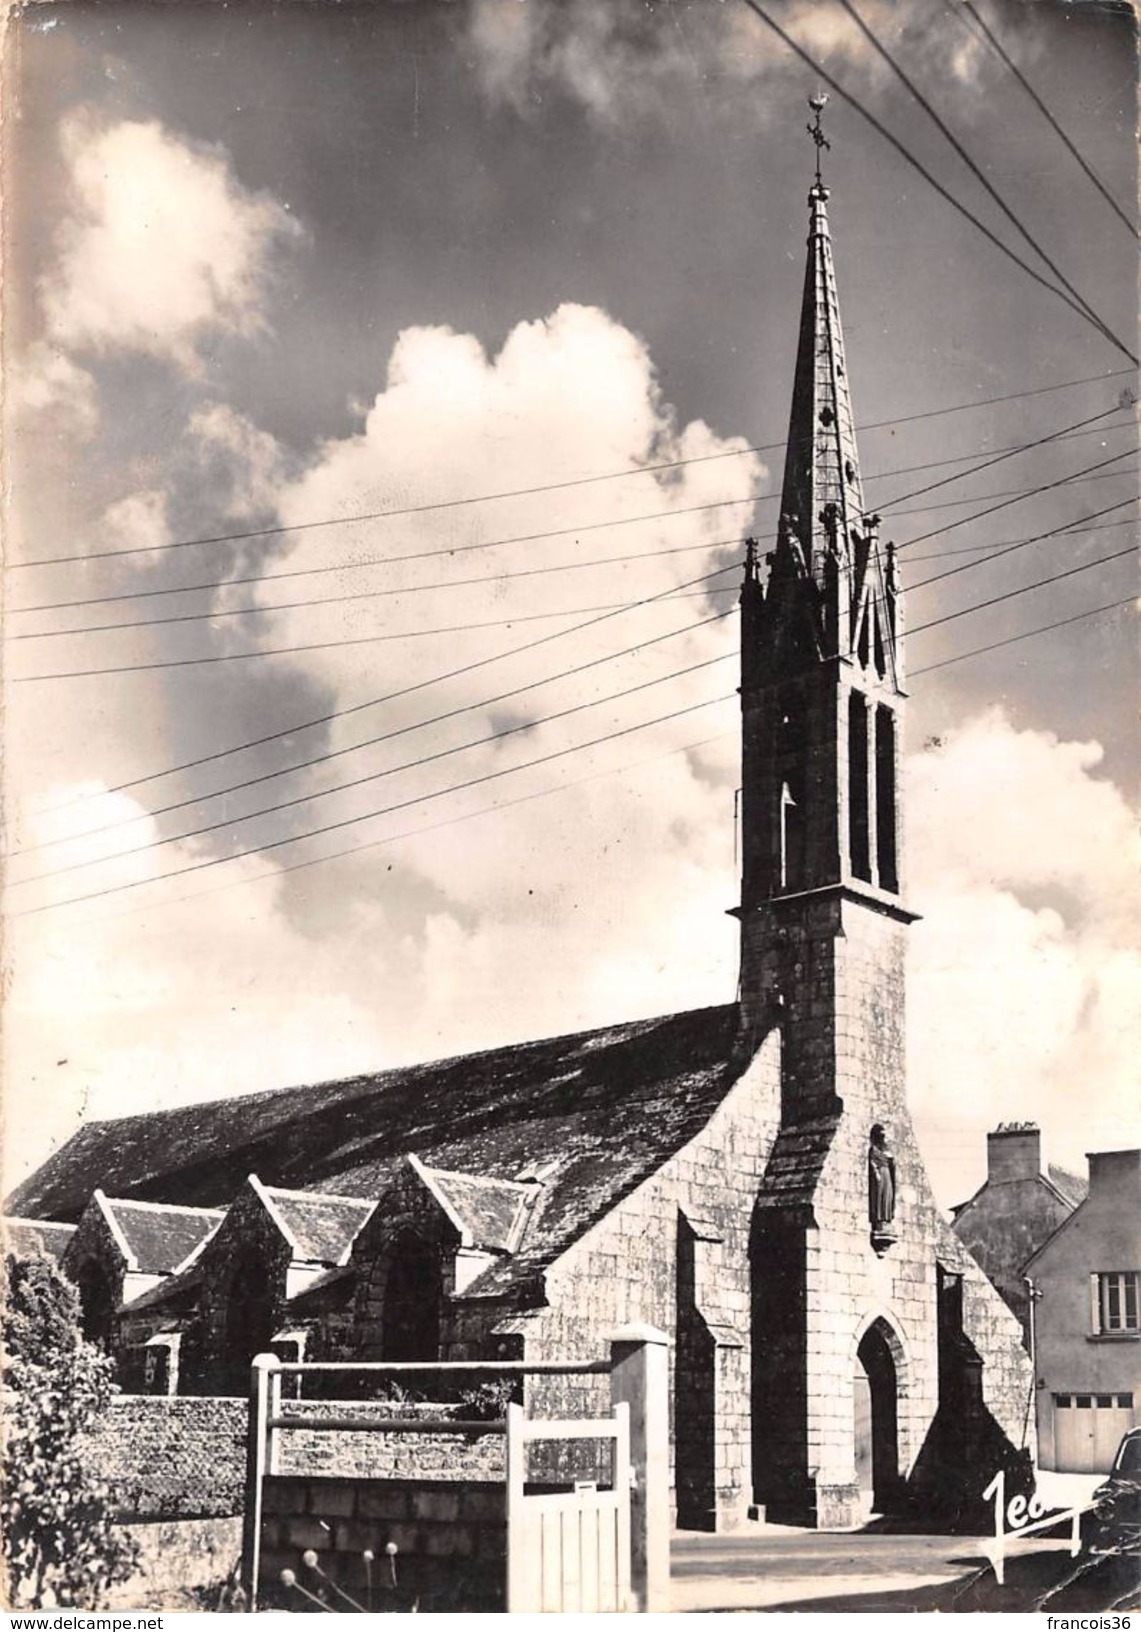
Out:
{"x": 1027, "y": 634}
{"x": 882, "y": 130}
{"x": 1080, "y": 428}
{"x": 594, "y": 776}
{"x": 390, "y": 635}
{"x": 350, "y": 821}
{"x": 258, "y": 849}
{"x": 980, "y": 175}
{"x": 1014, "y": 69}
{"x": 485, "y": 702}
{"x": 514, "y": 493}
{"x": 370, "y": 742}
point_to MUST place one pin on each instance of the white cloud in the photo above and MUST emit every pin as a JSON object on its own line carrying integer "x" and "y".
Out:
{"x": 244, "y": 465}
{"x": 137, "y": 521}
{"x": 616, "y": 57}
{"x": 603, "y": 901}
{"x": 47, "y": 381}
{"x": 1025, "y": 989}
{"x": 162, "y": 247}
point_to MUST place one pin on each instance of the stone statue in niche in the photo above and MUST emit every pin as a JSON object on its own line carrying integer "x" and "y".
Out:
{"x": 881, "y": 1189}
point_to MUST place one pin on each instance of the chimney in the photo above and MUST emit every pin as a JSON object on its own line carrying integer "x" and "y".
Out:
{"x": 1013, "y": 1151}
{"x": 1115, "y": 1170}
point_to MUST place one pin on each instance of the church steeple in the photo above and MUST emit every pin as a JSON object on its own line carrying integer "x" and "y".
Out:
{"x": 821, "y": 658}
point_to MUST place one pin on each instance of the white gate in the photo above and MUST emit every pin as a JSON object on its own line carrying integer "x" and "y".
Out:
{"x": 568, "y": 1551}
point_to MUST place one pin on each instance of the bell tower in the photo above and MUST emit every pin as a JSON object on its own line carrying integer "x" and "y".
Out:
{"x": 822, "y": 712}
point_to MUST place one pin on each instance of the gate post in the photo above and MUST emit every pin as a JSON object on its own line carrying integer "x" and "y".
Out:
{"x": 639, "y": 1375}
{"x": 262, "y": 1369}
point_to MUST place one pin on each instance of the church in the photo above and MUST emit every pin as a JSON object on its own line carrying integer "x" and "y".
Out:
{"x": 744, "y": 1177}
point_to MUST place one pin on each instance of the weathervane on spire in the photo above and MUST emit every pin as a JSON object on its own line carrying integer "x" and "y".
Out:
{"x": 816, "y": 103}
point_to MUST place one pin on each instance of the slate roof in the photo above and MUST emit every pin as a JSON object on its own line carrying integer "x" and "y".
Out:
{"x": 1070, "y": 1186}
{"x": 161, "y": 1236}
{"x": 28, "y": 1236}
{"x": 611, "y": 1105}
{"x": 322, "y": 1228}
{"x": 493, "y": 1212}
{"x": 795, "y": 1164}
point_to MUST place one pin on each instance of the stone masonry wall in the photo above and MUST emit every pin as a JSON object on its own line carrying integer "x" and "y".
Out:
{"x": 172, "y": 1457}
{"x": 848, "y": 1285}
{"x": 451, "y": 1542}
{"x": 625, "y": 1269}
{"x": 250, "y": 1257}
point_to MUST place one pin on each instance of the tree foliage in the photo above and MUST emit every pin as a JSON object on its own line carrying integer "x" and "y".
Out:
{"x": 59, "y": 1544}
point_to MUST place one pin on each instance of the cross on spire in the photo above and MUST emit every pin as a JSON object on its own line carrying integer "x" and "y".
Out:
{"x": 816, "y": 103}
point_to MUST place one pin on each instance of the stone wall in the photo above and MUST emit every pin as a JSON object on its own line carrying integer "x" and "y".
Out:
{"x": 626, "y": 1269}
{"x": 183, "y": 1564}
{"x": 243, "y": 1276}
{"x": 463, "y": 1455}
{"x": 172, "y": 1457}
{"x": 451, "y": 1541}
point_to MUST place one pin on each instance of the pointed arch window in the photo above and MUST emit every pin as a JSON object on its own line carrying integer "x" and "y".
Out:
{"x": 887, "y": 859}
{"x": 859, "y": 838}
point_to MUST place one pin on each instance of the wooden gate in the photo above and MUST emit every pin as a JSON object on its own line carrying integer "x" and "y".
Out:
{"x": 568, "y": 1551}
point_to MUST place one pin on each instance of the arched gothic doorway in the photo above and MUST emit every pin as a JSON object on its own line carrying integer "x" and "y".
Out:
{"x": 874, "y": 1401}
{"x": 413, "y": 1296}
{"x": 96, "y": 1302}
{"x": 248, "y": 1321}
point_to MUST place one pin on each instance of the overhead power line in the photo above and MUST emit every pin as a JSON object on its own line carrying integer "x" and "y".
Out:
{"x": 452, "y": 550}
{"x": 200, "y": 864}
{"x": 405, "y": 804}
{"x": 371, "y": 742}
{"x": 881, "y": 129}
{"x": 1013, "y": 594}
{"x": 1080, "y": 428}
{"x": 485, "y": 702}
{"x": 390, "y": 635}
{"x": 980, "y": 175}
{"x": 404, "y": 691}
{"x": 999, "y": 49}
{"x": 563, "y": 787}
{"x": 1026, "y": 634}
{"x": 1046, "y": 487}
{"x": 527, "y": 492}
{"x": 417, "y": 763}
{"x": 1021, "y": 544}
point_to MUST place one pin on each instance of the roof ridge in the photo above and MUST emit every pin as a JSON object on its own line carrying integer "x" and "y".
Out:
{"x": 317, "y": 1195}
{"x": 36, "y": 1223}
{"x": 166, "y": 1207}
{"x": 366, "y": 1077}
{"x": 523, "y": 1185}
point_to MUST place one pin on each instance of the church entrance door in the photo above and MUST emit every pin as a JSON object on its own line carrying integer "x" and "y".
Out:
{"x": 875, "y": 1423}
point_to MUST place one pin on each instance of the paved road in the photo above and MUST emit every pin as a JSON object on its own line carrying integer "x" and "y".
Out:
{"x": 775, "y": 1567}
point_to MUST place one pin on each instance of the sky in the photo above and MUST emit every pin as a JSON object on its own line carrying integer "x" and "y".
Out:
{"x": 384, "y": 384}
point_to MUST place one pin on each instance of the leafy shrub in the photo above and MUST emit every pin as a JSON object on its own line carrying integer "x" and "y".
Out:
{"x": 59, "y": 1544}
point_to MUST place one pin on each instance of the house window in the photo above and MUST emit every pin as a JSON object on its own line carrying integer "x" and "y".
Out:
{"x": 1117, "y": 1304}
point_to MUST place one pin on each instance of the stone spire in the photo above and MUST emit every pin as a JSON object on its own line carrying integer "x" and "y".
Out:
{"x": 822, "y": 499}
{"x": 830, "y": 591}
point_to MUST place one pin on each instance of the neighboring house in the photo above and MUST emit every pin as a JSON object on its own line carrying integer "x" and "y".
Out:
{"x": 1015, "y": 1210}
{"x": 744, "y": 1177}
{"x": 1087, "y": 1288}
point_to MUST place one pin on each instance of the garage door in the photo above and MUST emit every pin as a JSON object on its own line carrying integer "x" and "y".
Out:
{"x": 1087, "y": 1430}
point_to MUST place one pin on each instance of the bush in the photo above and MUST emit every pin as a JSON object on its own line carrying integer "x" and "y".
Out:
{"x": 59, "y": 1544}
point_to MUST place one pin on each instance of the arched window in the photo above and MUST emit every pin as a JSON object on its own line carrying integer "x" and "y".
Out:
{"x": 97, "y": 1302}
{"x": 248, "y": 1320}
{"x": 413, "y": 1297}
